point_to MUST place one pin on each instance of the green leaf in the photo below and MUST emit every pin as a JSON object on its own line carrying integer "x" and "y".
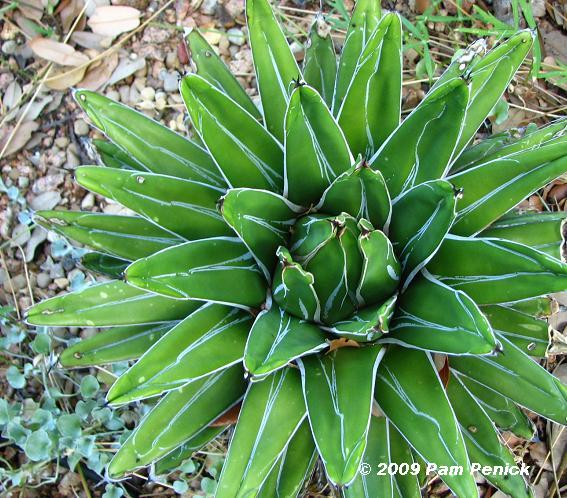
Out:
{"x": 69, "y": 424}
{"x": 277, "y": 338}
{"x": 104, "y": 264}
{"x": 483, "y": 444}
{"x": 410, "y": 393}
{"x": 153, "y": 146}
{"x": 320, "y": 65}
{"x": 122, "y": 236}
{"x": 15, "y": 378}
{"x": 113, "y": 345}
{"x": 381, "y": 269}
{"x": 493, "y": 271}
{"x": 211, "y": 67}
{"x": 367, "y": 324}
{"x": 542, "y": 231}
{"x": 537, "y": 306}
{"x": 246, "y": 154}
{"x": 502, "y": 411}
{"x": 274, "y": 64}
{"x": 400, "y": 452}
{"x": 421, "y": 218}
{"x": 493, "y": 188}
{"x": 38, "y": 446}
{"x": 516, "y": 376}
{"x": 202, "y": 269}
{"x": 294, "y": 467}
{"x": 188, "y": 411}
{"x": 338, "y": 418}
{"x": 293, "y": 288}
{"x": 113, "y": 156}
{"x": 316, "y": 151}
{"x": 89, "y": 386}
{"x": 370, "y": 111}
{"x": 271, "y": 413}
{"x": 183, "y": 452}
{"x": 185, "y": 207}
{"x": 435, "y": 317}
{"x": 210, "y": 339}
{"x": 361, "y": 192}
{"x": 108, "y": 304}
{"x": 528, "y": 333}
{"x": 363, "y": 22}
{"x": 422, "y": 146}
{"x": 263, "y": 221}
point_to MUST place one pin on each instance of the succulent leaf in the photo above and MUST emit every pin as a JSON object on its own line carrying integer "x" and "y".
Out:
{"x": 274, "y": 64}
{"x": 104, "y": 264}
{"x": 277, "y": 338}
{"x": 370, "y": 111}
{"x": 338, "y": 419}
{"x": 218, "y": 269}
{"x": 193, "y": 407}
{"x": 421, "y": 147}
{"x": 246, "y": 154}
{"x": 211, "y": 67}
{"x": 153, "y": 146}
{"x": 271, "y": 414}
{"x": 316, "y": 151}
{"x": 408, "y": 383}
{"x": 210, "y": 339}
{"x": 113, "y": 156}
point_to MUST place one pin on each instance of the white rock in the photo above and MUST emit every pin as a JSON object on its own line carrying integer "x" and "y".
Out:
{"x": 235, "y": 36}
{"x": 81, "y": 127}
{"x": 47, "y": 200}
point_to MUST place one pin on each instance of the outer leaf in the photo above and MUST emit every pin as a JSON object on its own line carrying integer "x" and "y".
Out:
{"x": 537, "y": 306}
{"x": 271, "y": 414}
{"x": 370, "y": 111}
{"x": 293, "y": 288}
{"x": 184, "y": 207}
{"x": 294, "y": 467}
{"x": 210, "y": 339}
{"x": 277, "y": 338}
{"x": 108, "y": 304}
{"x": 189, "y": 410}
{"x": 400, "y": 452}
{"x": 381, "y": 270}
{"x": 363, "y": 22}
{"x": 493, "y": 188}
{"x": 211, "y": 67}
{"x": 104, "y": 264}
{"x": 116, "y": 344}
{"x": 274, "y": 64}
{"x": 434, "y": 317}
{"x": 367, "y": 324}
{"x": 482, "y": 441}
{"x": 493, "y": 271}
{"x": 316, "y": 151}
{"x": 528, "y": 333}
{"x": 421, "y": 217}
{"x": 422, "y": 146}
{"x": 507, "y": 143}
{"x": 114, "y": 157}
{"x": 320, "y": 65}
{"x": 123, "y": 236}
{"x": 502, "y": 411}
{"x": 263, "y": 221}
{"x": 246, "y": 154}
{"x": 542, "y": 231}
{"x": 202, "y": 269}
{"x": 516, "y": 376}
{"x": 176, "y": 457}
{"x": 411, "y": 395}
{"x": 360, "y": 192}
{"x": 338, "y": 418}
{"x": 153, "y": 146}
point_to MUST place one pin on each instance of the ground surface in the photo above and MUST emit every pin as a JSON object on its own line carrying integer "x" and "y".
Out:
{"x": 43, "y": 138}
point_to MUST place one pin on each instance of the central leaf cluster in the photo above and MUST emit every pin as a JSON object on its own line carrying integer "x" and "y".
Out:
{"x": 334, "y": 265}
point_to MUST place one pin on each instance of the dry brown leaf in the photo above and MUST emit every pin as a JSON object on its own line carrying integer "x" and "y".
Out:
{"x": 111, "y": 20}
{"x": 21, "y": 137}
{"x": 32, "y": 9}
{"x": 343, "y": 342}
{"x": 57, "y": 52}
{"x": 65, "y": 78}
{"x": 69, "y": 13}
{"x": 99, "y": 75}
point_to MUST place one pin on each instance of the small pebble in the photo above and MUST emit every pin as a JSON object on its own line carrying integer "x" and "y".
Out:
{"x": 18, "y": 282}
{"x": 73, "y": 160}
{"x": 43, "y": 280}
{"x": 62, "y": 142}
{"x": 81, "y": 128}
{"x": 171, "y": 61}
{"x": 88, "y": 201}
{"x": 9, "y": 47}
{"x": 46, "y": 200}
{"x": 170, "y": 81}
{"x": 235, "y": 36}
{"x": 61, "y": 283}
{"x": 148, "y": 93}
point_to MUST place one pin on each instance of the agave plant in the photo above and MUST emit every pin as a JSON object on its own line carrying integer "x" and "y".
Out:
{"x": 353, "y": 288}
